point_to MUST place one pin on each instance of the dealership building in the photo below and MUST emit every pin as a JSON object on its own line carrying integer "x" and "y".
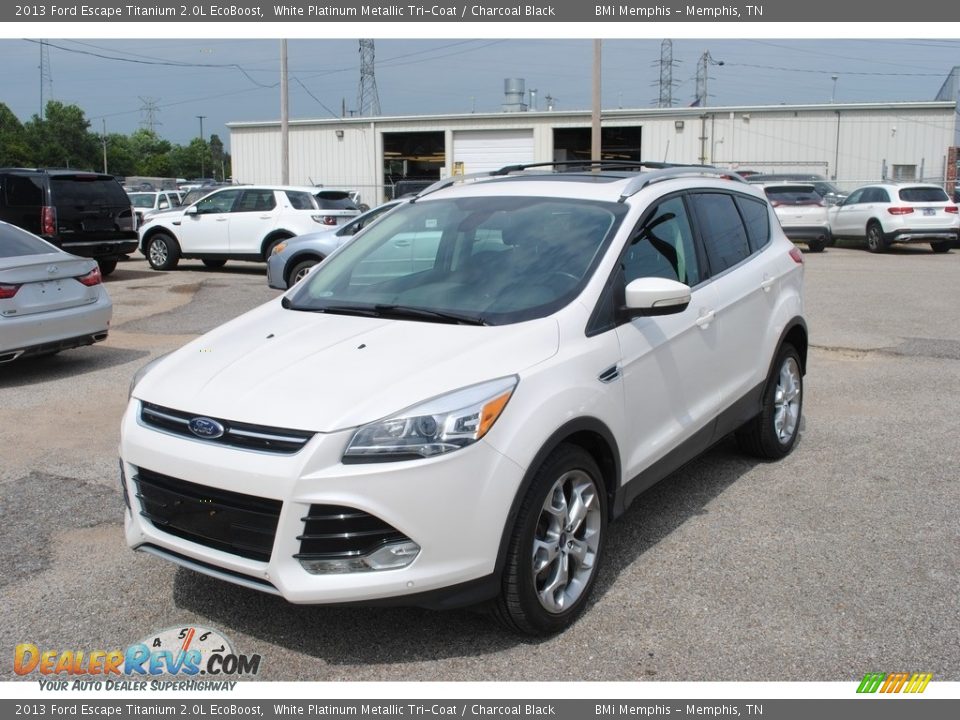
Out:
{"x": 849, "y": 143}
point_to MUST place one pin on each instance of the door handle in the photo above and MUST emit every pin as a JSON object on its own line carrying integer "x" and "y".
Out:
{"x": 767, "y": 283}
{"x": 703, "y": 322}
{"x": 220, "y": 219}
{"x": 266, "y": 217}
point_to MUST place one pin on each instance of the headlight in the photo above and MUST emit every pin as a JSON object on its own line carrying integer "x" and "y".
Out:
{"x": 279, "y": 248}
{"x": 139, "y": 375}
{"x": 437, "y": 426}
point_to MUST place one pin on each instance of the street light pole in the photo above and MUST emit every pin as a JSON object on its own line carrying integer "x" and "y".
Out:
{"x": 202, "y": 149}
{"x": 833, "y": 93}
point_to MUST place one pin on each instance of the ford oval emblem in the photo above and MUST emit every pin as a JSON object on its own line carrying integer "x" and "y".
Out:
{"x": 206, "y": 428}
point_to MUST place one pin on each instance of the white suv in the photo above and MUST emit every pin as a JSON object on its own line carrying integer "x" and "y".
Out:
{"x": 453, "y": 406}
{"x": 886, "y": 214}
{"x": 232, "y": 223}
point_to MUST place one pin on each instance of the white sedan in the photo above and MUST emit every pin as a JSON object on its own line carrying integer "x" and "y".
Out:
{"x": 49, "y": 300}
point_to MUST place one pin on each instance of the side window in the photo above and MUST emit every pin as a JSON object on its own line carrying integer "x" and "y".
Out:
{"x": 854, "y": 198}
{"x": 724, "y": 237}
{"x": 256, "y": 200}
{"x": 220, "y": 202}
{"x": 882, "y": 196}
{"x": 300, "y": 200}
{"x": 757, "y": 219}
{"x": 23, "y": 191}
{"x": 663, "y": 246}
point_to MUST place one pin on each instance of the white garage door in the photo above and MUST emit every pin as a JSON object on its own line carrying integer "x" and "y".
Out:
{"x": 484, "y": 150}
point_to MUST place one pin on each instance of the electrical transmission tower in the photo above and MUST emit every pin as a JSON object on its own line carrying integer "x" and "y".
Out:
{"x": 368, "y": 102}
{"x": 666, "y": 74}
{"x": 703, "y": 66}
{"x": 46, "y": 77}
{"x": 148, "y": 114}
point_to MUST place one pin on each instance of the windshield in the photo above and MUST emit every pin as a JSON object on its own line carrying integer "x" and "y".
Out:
{"x": 487, "y": 260}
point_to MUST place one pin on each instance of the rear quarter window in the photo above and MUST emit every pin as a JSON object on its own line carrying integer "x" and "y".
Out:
{"x": 23, "y": 191}
{"x": 756, "y": 219}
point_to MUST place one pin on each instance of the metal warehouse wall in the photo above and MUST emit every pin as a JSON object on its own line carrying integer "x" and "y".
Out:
{"x": 851, "y": 144}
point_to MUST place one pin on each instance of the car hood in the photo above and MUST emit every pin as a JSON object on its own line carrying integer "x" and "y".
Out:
{"x": 322, "y": 372}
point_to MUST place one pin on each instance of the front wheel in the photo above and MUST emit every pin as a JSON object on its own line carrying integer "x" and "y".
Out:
{"x": 107, "y": 266}
{"x": 772, "y": 434}
{"x": 556, "y": 546}
{"x": 300, "y": 271}
{"x": 163, "y": 253}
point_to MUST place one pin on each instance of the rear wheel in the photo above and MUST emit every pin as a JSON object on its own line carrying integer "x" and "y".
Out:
{"x": 556, "y": 546}
{"x": 816, "y": 245}
{"x": 107, "y": 266}
{"x": 772, "y": 434}
{"x": 876, "y": 242}
{"x": 163, "y": 253}
{"x": 214, "y": 263}
{"x": 940, "y": 246}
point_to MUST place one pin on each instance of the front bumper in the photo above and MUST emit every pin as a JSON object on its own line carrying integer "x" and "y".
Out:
{"x": 454, "y": 507}
{"x": 275, "y": 267}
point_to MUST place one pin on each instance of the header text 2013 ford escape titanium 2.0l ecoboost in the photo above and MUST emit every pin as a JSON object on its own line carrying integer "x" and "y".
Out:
{"x": 453, "y": 406}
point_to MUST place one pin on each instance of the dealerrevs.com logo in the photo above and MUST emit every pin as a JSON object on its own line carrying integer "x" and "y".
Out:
{"x": 894, "y": 682}
{"x": 180, "y": 652}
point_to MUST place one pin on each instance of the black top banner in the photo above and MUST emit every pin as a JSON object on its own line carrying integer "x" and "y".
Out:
{"x": 453, "y": 11}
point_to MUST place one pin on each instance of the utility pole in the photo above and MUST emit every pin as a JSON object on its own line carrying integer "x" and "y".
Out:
{"x": 706, "y": 60}
{"x": 202, "y": 149}
{"x": 595, "y": 149}
{"x": 103, "y": 135}
{"x": 284, "y": 117}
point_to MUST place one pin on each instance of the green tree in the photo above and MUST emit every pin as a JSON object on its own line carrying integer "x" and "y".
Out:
{"x": 63, "y": 138}
{"x": 14, "y": 150}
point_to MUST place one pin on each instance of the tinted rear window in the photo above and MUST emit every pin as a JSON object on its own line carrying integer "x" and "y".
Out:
{"x": 14, "y": 242}
{"x": 757, "y": 220}
{"x": 923, "y": 194}
{"x": 724, "y": 235}
{"x": 793, "y": 195}
{"x": 87, "y": 190}
{"x": 335, "y": 201}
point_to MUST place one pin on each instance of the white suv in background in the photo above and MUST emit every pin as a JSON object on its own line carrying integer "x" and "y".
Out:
{"x": 458, "y": 424}
{"x": 802, "y": 213}
{"x": 885, "y": 214}
{"x": 232, "y": 223}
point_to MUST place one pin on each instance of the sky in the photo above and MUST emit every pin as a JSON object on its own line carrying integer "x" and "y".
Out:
{"x": 226, "y": 80}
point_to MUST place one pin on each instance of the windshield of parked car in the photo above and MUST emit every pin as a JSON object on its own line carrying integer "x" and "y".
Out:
{"x": 923, "y": 194}
{"x": 15, "y": 242}
{"x": 481, "y": 260}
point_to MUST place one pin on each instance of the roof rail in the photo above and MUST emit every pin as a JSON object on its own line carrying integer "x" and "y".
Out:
{"x": 448, "y": 181}
{"x": 675, "y": 171}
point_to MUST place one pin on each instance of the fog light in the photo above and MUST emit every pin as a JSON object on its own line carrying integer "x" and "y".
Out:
{"x": 389, "y": 557}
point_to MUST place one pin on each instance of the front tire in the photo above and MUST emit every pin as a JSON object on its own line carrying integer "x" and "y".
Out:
{"x": 772, "y": 434}
{"x": 556, "y": 546}
{"x": 163, "y": 252}
{"x": 107, "y": 266}
{"x": 300, "y": 271}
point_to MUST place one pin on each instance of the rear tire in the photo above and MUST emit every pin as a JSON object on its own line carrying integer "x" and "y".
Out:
{"x": 107, "y": 266}
{"x": 876, "y": 241}
{"x": 163, "y": 252}
{"x": 556, "y": 547}
{"x": 815, "y": 246}
{"x": 941, "y": 246}
{"x": 772, "y": 434}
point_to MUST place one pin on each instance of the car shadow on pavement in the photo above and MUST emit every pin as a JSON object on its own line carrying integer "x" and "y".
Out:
{"x": 356, "y": 635}
{"x": 69, "y": 363}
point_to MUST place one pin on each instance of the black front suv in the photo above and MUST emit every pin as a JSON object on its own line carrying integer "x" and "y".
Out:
{"x": 84, "y": 213}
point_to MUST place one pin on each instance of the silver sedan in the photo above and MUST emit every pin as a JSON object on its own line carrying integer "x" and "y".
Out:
{"x": 292, "y": 259}
{"x": 49, "y": 300}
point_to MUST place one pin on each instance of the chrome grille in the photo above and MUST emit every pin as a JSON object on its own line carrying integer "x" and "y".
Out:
{"x": 235, "y": 434}
{"x": 244, "y": 525}
{"x": 334, "y": 531}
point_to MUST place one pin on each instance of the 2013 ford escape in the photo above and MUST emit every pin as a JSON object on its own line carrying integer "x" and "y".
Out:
{"x": 453, "y": 407}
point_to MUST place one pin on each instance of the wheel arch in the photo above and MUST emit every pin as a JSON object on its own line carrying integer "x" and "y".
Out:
{"x": 299, "y": 258}
{"x": 154, "y": 231}
{"x": 272, "y": 237}
{"x": 794, "y": 333}
{"x": 588, "y": 433}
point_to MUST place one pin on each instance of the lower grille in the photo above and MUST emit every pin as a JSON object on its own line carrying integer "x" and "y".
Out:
{"x": 334, "y": 531}
{"x": 244, "y": 525}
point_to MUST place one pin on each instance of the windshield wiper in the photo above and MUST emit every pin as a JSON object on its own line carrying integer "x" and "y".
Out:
{"x": 433, "y": 315}
{"x": 332, "y": 309}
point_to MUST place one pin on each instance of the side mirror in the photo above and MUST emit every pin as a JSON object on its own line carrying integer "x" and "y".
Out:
{"x": 652, "y": 296}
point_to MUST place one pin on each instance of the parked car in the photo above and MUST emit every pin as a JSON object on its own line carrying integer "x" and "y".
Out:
{"x": 886, "y": 213}
{"x": 337, "y": 205}
{"x": 49, "y": 300}
{"x": 83, "y": 213}
{"x": 232, "y": 223}
{"x": 462, "y": 428}
{"x": 830, "y": 193}
{"x": 292, "y": 259}
{"x": 802, "y": 213}
{"x": 146, "y": 203}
